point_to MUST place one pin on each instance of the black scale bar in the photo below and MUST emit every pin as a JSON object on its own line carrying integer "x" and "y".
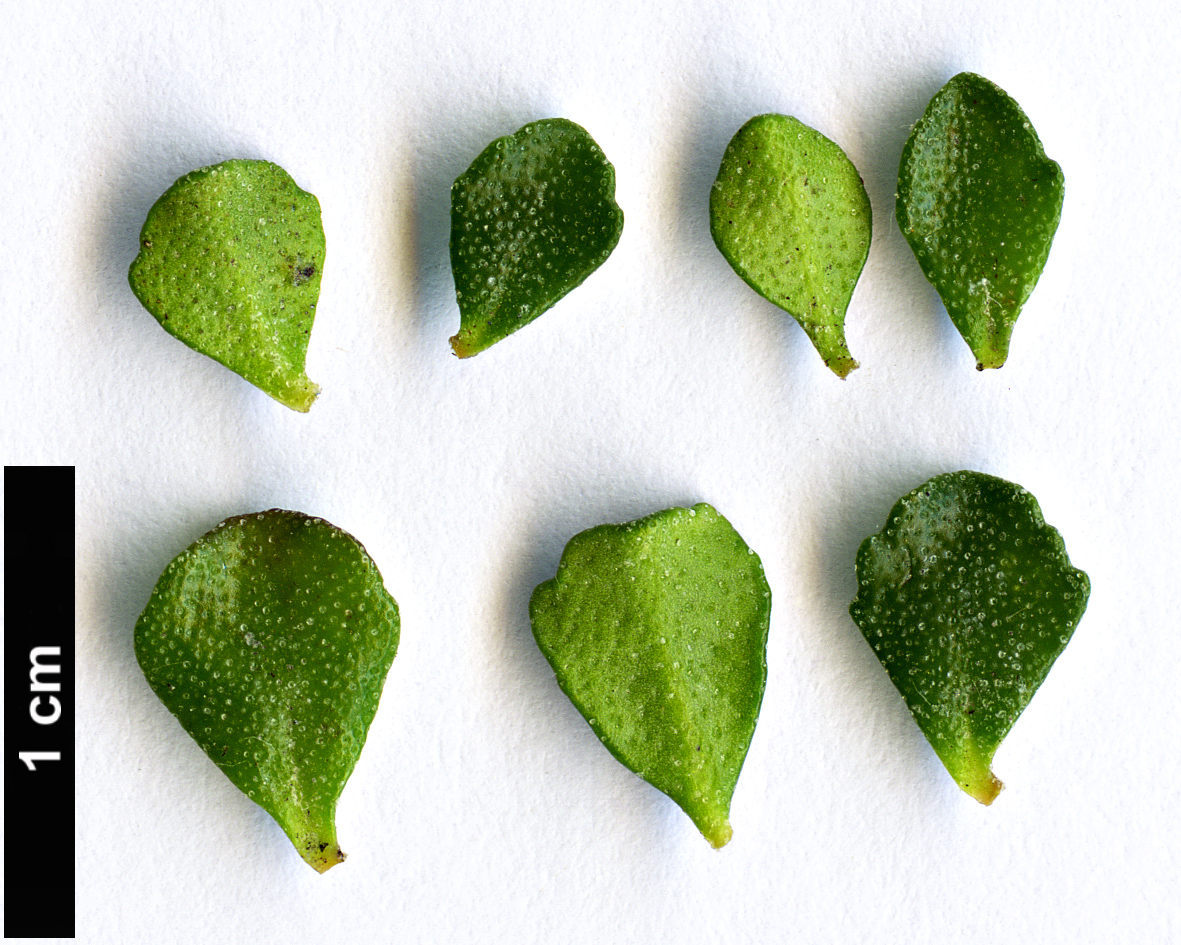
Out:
{"x": 39, "y": 706}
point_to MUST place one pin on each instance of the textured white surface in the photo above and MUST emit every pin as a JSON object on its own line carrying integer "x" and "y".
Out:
{"x": 483, "y": 808}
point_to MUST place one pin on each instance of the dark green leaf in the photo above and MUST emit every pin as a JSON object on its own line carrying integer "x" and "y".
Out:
{"x": 270, "y": 639}
{"x": 532, "y": 217}
{"x": 979, "y": 203}
{"x": 967, "y": 596}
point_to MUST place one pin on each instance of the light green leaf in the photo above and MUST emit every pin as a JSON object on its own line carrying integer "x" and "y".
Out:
{"x": 979, "y": 203}
{"x": 532, "y": 217}
{"x": 657, "y": 631}
{"x": 790, "y": 214}
{"x": 968, "y": 597}
{"x": 230, "y": 263}
{"x": 270, "y": 639}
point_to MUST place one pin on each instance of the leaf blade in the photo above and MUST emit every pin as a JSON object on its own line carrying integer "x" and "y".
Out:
{"x": 270, "y": 639}
{"x": 656, "y": 631}
{"x": 979, "y": 203}
{"x": 967, "y": 598}
{"x": 230, "y": 263}
{"x": 790, "y": 214}
{"x": 531, "y": 218}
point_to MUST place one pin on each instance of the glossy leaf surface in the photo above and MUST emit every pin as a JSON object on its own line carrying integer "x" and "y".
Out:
{"x": 230, "y": 263}
{"x": 968, "y": 597}
{"x": 657, "y": 631}
{"x": 532, "y": 217}
{"x": 979, "y": 203}
{"x": 790, "y": 214}
{"x": 270, "y": 639}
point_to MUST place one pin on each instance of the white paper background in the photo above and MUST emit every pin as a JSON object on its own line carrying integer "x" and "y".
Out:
{"x": 483, "y": 809}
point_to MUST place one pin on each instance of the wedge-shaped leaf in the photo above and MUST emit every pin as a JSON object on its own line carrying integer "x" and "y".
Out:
{"x": 270, "y": 639}
{"x": 532, "y": 217}
{"x": 229, "y": 262}
{"x": 979, "y": 203}
{"x": 967, "y": 596}
{"x": 657, "y": 631}
{"x": 790, "y": 214}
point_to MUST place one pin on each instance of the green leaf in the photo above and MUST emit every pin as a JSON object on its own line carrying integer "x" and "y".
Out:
{"x": 270, "y": 639}
{"x": 790, "y": 214}
{"x": 979, "y": 203}
{"x": 967, "y": 596}
{"x": 230, "y": 262}
{"x": 532, "y": 217}
{"x": 657, "y": 631}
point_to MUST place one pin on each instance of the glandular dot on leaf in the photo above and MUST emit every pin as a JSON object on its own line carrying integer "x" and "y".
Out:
{"x": 967, "y": 597}
{"x": 531, "y": 219}
{"x": 270, "y": 639}
{"x": 657, "y": 632}
{"x": 790, "y": 214}
{"x": 979, "y": 203}
{"x": 230, "y": 262}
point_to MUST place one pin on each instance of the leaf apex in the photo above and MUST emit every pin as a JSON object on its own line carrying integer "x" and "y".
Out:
{"x": 322, "y": 857}
{"x": 984, "y": 789}
{"x": 718, "y": 834}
